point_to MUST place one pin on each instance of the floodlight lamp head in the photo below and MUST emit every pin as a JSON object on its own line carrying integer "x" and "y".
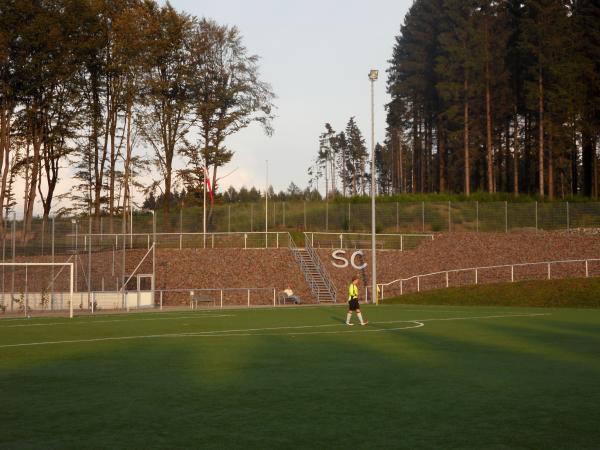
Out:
{"x": 373, "y": 75}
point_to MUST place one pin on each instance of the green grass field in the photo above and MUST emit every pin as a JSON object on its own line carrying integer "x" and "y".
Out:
{"x": 417, "y": 377}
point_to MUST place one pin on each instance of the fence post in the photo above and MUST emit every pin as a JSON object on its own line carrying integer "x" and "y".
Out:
{"x": 43, "y": 235}
{"x": 248, "y": 298}
{"x": 51, "y": 280}
{"x": 245, "y": 241}
{"x": 274, "y": 297}
{"x": 401, "y": 293}
{"x": 447, "y": 280}
{"x": 549, "y": 274}
{"x": 423, "y": 215}
{"x": 401, "y": 242}
{"x": 587, "y": 269}
{"x": 349, "y": 215}
{"x": 418, "y": 284}
{"x": 476, "y": 276}
{"x": 180, "y": 228}
{"x": 161, "y": 301}
{"x": 512, "y": 274}
{"x": 506, "y": 217}
{"x": 304, "y": 215}
{"x": 26, "y": 294}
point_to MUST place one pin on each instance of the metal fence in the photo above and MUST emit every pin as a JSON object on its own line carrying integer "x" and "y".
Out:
{"x": 218, "y": 297}
{"x": 402, "y": 217}
{"x": 545, "y": 270}
{"x": 106, "y": 251}
{"x": 396, "y": 241}
{"x": 181, "y": 227}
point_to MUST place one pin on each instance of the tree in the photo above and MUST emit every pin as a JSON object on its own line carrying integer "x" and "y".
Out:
{"x": 167, "y": 108}
{"x": 226, "y": 92}
{"x": 383, "y": 168}
{"x": 357, "y": 156}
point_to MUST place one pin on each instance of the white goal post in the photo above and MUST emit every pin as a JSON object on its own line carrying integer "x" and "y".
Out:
{"x": 27, "y": 265}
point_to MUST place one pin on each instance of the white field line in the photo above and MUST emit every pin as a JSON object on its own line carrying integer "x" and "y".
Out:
{"x": 250, "y": 331}
{"x": 93, "y": 322}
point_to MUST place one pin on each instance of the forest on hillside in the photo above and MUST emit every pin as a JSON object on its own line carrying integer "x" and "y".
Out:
{"x": 499, "y": 96}
{"x": 492, "y": 96}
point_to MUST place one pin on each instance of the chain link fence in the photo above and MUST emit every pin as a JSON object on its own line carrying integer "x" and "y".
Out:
{"x": 399, "y": 217}
{"x": 183, "y": 228}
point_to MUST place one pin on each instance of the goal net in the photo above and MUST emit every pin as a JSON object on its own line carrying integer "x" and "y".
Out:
{"x": 28, "y": 288}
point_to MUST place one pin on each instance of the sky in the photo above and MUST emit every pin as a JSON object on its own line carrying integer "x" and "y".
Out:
{"x": 316, "y": 55}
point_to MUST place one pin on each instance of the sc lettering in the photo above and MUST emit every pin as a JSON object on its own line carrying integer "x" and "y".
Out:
{"x": 341, "y": 262}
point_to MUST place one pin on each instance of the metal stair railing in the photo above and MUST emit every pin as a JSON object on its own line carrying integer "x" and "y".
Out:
{"x": 303, "y": 267}
{"x": 317, "y": 262}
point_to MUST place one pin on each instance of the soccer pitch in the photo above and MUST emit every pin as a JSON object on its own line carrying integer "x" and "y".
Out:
{"x": 416, "y": 377}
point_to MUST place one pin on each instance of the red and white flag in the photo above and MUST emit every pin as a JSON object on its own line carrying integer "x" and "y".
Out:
{"x": 208, "y": 186}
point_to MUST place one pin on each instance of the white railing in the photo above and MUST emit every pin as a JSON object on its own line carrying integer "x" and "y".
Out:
{"x": 310, "y": 280}
{"x": 385, "y": 241}
{"x": 579, "y": 268}
{"x": 181, "y": 240}
{"x": 320, "y": 268}
{"x": 220, "y": 297}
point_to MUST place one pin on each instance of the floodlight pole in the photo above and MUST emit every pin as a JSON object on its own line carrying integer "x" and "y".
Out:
{"x": 266, "y": 200}
{"x": 373, "y": 75}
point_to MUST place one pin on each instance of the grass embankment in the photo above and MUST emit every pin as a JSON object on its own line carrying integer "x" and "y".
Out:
{"x": 570, "y": 293}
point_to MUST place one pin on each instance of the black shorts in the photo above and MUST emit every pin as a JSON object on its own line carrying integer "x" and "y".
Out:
{"x": 353, "y": 304}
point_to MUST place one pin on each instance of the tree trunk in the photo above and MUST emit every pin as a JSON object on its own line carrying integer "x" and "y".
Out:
{"x": 588, "y": 162}
{"x": 574, "y": 164}
{"x": 113, "y": 163}
{"x": 401, "y": 182}
{"x": 488, "y": 116}
{"x": 541, "y": 135}
{"x": 442, "y": 158}
{"x": 516, "y": 155}
{"x": 36, "y": 134}
{"x": 467, "y": 161}
{"x": 5, "y": 126}
{"x": 550, "y": 164}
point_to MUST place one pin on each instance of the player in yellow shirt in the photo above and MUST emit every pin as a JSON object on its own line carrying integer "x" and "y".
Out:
{"x": 353, "y": 302}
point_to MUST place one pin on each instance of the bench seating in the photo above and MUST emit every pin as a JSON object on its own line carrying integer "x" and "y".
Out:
{"x": 196, "y": 298}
